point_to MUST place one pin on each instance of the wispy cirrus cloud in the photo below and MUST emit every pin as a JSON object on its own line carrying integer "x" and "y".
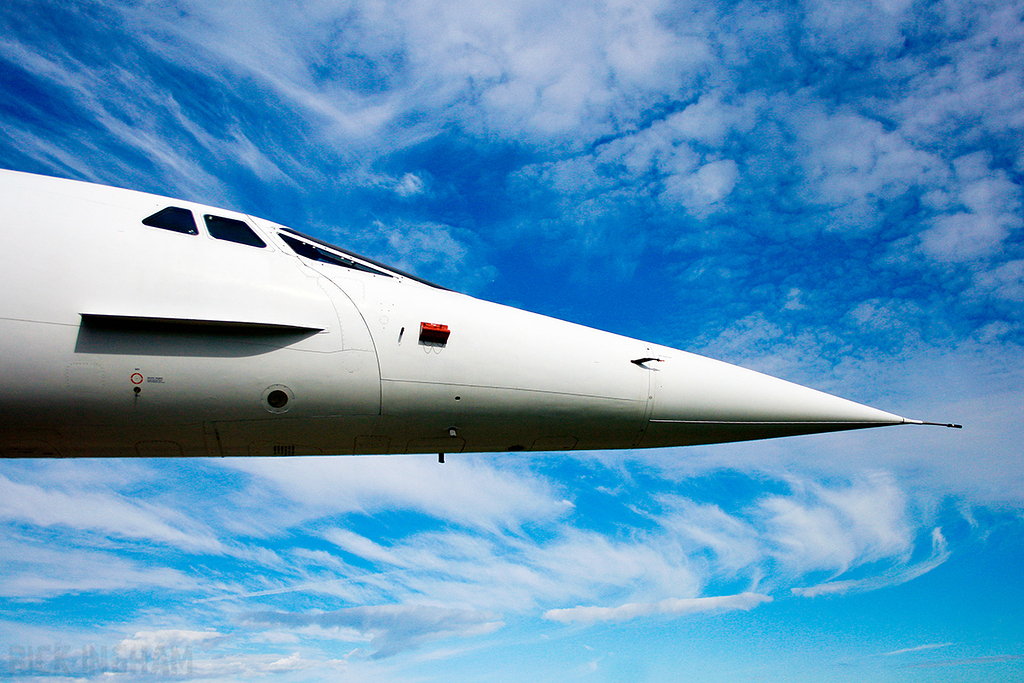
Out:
{"x": 468, "y": 492}
{"x": 774, "y": 540}
{"x": 668, "y": 606}
{"x": 390, "y": 629}
{"x": 917, "y": 648}
{"x": 891, "y": 577}
{"x": 35, "y": 571}
{"x": 105, "y": 512}
{"x": 834, "y": 529}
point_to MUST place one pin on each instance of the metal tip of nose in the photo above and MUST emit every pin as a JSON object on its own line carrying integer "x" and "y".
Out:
{"x": 950, "y": 425}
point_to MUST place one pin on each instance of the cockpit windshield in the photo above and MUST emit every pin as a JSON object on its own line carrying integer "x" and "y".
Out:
{"x": 318, "y": 250}
{"x": 315, "y": 253}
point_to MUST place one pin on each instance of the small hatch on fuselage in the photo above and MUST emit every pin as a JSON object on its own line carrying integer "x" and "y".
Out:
{"x": 173, "y": 218}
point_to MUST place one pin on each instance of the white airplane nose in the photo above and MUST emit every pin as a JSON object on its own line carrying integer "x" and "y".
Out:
{"x": 699, "y": 400}
{"x": 330, "y": 352}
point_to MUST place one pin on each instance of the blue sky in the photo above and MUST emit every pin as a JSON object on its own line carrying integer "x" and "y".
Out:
{"x": 830, "y": 192}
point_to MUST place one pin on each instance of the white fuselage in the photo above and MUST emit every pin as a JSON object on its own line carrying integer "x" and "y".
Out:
{"x": 120, "y": 338}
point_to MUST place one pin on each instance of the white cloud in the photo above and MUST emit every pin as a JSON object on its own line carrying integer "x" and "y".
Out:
{"x": 152, "y": 640}
{"x": 919, "y": 648}
{"x": 237, "y": 665}
{"x": 777, "y": 538}
{"x": 892, "y": 577}
{"x": 971, "y": 88}
{"x": 35, "y": 572}
{"x": 669, "y": 606}
{"x": 701, "y": 191}
{"x": 106, "y": 512}
{"x": 736, "y": 543}
{"x": 852, "y": 165}
{"x": 445, "y": 254}
{"x": 592, "y": 566}
{"x": 364, "y": 65}
{"x": 964, "y": 236}
{"x": 362, "y": 547}
{"x": 468, "y": 492}
{"x": 835, "y": 529}
{"x": 853, "y": 28}
{"x": 424, "y": 245}
{"x": 711, "y": 120}
{"x": 409, "y": 186}
{"x": 390, "y": 629}
{"x": 1005, "y": 282}
{"x": 542, "y": 73}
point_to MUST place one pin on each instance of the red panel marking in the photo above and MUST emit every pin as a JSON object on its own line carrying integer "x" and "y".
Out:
{"x": 434, "y": 333}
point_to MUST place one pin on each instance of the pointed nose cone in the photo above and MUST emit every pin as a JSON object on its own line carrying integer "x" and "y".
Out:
{"x": 699, "y": 400}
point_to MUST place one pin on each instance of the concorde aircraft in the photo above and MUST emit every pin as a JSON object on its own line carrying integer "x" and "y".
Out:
{"x": 137, "y": 325}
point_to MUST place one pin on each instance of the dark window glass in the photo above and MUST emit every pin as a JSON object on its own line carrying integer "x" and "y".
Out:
{"x": 390, "y": 271}
{"x": 315, "y": 253}
{"x": 233, "y": 231}
{"x": 173, "y": 218}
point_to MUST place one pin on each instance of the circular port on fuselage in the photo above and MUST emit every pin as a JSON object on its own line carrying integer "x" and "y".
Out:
{"x": 277, "y": 398}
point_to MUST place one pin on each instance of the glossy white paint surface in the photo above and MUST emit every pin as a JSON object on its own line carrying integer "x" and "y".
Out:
{"x": 342, "y": 344}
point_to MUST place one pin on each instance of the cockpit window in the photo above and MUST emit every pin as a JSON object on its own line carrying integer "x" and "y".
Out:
{"x": 307, "y": 243}
{"x": 233, "y": 231}
{"x": 315, "y": 253}
{"x": 173, "y": 218}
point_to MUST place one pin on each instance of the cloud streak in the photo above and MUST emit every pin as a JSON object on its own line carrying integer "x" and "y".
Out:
{"x": 105, "y": 512}
{"x": 391, "y": 629}
{"x": 668, "y": 606}
{"x": 892, "y": 577}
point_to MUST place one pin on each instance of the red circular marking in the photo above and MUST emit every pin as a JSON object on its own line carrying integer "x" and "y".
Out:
{"x": 136, "y": 378}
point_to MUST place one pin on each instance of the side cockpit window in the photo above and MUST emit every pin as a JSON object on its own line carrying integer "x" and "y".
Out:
{"x": 173, "y": 218}
{"x": 316, "y": 253}
{"x": 232, "y": 230}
